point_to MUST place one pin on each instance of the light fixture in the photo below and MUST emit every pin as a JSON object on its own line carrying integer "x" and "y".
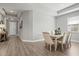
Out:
{"x": 12, "y": 11}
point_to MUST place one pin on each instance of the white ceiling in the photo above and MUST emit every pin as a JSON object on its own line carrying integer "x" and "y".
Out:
{"x": 57, "y": 6}
{"x": 53, "y": 7}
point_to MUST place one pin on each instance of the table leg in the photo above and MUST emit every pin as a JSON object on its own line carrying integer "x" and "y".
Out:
{"x": 55, "y": 44}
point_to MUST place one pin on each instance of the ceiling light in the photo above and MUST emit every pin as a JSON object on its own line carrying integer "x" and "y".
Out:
{"x": 12, "y": 11}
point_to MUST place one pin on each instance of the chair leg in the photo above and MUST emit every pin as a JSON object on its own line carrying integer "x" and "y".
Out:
{"x": 46, "y": 45}
{"x": 55, "y": 46}
{"x": 70, "y": 44}
{"x": 66, "y": 45}
{"x": 62, "y": 46}
{"x": 50, "y": 47}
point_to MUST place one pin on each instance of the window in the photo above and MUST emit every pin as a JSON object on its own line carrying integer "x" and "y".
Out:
{"x": 73, "y": 24}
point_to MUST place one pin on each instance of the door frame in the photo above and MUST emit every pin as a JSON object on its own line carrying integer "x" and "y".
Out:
{"x": 9, "y": 26}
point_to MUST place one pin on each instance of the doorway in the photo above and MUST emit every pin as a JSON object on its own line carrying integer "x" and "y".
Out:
{"x": 12, "y": 28}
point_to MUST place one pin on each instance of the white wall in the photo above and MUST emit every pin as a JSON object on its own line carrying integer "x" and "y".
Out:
{"x": 42, "y": 22}
{"x": 61, "y": 22}
{"x": 34, "y": 23}
{"x": 26, "y": 31}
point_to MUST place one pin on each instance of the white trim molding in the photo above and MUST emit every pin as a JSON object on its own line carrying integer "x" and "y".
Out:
{"x": 73, "y": 10}
{"x": 76, "y": 41}
{"x": 33, "y": 40}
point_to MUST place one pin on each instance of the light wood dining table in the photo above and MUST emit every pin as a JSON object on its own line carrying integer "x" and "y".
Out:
{"x": 55, "y": 38}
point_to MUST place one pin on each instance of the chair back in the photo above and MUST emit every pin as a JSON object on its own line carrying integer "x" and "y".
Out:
{"x": 69, "y": 38}
{"x": 47, "y": 38}
{"x": 65, "y": 38}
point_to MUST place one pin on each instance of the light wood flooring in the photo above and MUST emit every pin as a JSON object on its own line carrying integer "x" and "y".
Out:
{"x": 15, "y": 47}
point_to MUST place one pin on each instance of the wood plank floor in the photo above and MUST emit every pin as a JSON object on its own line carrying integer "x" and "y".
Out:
{"x": 15, "y": 47}
{"x": 38, "y": 49}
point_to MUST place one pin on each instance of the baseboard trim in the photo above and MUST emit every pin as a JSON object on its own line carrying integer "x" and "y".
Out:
{"x": 33, "y": 40}
{"x": 75, "y": 41}
{"x": 43, "y": 40}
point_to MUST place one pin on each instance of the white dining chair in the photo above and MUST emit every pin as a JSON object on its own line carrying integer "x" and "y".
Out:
{"x": 69, "y": 40}
{"x": 63, "y": 41}
{"x": 49, "y": 41}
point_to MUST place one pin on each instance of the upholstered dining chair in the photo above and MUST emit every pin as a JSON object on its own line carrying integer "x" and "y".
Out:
{"x": 49, "y": 41}
{"x": 64, "y": 40}
{"x": 69, "y": 40}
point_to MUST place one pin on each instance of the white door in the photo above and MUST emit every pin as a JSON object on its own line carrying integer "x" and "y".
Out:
{"x": 12, "y": 28}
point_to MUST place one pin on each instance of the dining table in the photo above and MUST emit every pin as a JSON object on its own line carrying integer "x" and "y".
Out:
{"x": 57, "y": 36}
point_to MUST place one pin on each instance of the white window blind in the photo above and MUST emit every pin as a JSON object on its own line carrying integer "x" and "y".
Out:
{"x": 73, "y": 24}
